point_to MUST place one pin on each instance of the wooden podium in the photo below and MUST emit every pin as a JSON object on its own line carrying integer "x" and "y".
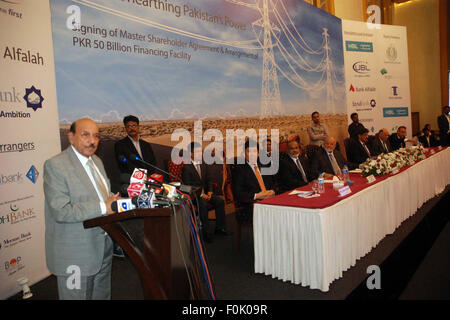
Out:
{"x": 160, "y": 245}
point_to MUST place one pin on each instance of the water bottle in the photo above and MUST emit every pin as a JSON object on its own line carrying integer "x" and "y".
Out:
{"x": 321, "y": 181}
{"x": 345, "y": 172}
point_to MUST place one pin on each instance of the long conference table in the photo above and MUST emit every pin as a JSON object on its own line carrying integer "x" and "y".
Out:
{"x": 313, "y": 241}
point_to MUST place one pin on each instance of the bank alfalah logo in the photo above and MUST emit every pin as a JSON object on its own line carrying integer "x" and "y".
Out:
{"x": 33, "y": 98}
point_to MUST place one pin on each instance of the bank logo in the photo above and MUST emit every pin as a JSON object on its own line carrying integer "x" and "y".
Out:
{"x": 373, "y": 103}
{"x": 16, "y": 216}
{"x": 33, "y": 98}
{"x": 383, "y": 71}
{"x": 361, "y": 67}
{"x": 394, "y": 91}
{"x": 359, "y": 104}
{"x": 32, "y": 174}
{"x": 352, "y": 88}
{"x": 391, "y": 53}
{"x": 359, "y": 46}
{"x": 11, "y": 178}
{"x": 395, "y": 112}
{"x": 362, "y": 89}
{"x": 13, "y": 265}
{"x": 11, "y": 242}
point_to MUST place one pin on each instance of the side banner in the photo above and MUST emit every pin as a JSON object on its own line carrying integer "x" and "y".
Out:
{"x": 377, "y": 75}
{"x": 29, "y": 136}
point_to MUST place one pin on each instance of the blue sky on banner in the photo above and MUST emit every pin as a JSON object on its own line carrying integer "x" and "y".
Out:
{"x": 106, "y": 85}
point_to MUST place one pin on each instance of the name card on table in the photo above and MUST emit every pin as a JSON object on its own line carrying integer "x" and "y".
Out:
{"x": 432, "y": 151}
{"x": 396, "y": 170}
{"x": 344, "y": 191}
{"x": 370, "y": 179}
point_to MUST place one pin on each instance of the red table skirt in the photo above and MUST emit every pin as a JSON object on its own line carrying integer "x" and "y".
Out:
{"x": 331, "y": 196}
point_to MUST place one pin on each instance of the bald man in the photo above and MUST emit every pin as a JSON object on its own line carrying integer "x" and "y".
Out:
{"x": 76, "y": 189}
{"x": 329, "y": 161}
{"x": 380, "y": 144}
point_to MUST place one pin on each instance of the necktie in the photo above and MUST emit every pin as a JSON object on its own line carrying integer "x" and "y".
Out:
{"x": 259, "y": 178}
{"x": 385, "y": 147}
{"x": 98, "y": 180}
{"x": 299, "y": 165}
{"x": 199, "y": 170}
{"x": 336, "y": 168}
{"x": 367, "y": 150}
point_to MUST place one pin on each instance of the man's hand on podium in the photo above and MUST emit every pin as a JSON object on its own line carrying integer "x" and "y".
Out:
{"x": 111, "y": 199}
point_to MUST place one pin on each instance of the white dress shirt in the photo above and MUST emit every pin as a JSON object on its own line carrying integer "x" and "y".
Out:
{"x": 84, "y": 163}
{"x": 137, "y": 146}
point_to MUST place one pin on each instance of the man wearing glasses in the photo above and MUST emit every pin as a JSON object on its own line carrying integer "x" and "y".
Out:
{"x": 131, "y": 144}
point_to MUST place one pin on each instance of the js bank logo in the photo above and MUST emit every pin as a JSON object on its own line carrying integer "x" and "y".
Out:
{"x": 32, "y": 175}
{"x": 17, "y": 215}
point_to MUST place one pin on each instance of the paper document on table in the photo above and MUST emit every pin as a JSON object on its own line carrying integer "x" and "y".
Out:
{"x": 301, "y": 193}
{"x": 355, "y": 171}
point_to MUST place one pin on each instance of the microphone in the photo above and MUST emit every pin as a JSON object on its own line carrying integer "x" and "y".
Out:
{"x": 147, "y": 200}
{"x": 138, "y": 159}
{"x": 122, "y": 205}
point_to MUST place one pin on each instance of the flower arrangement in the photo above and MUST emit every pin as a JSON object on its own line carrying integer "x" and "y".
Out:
{"x": 387, "y": 162}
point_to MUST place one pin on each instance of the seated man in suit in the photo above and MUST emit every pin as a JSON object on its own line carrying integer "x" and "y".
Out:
{"x": 354, "y": 127}
{"x": 196, "y": 174}
{"x": 329, "y": 161}
{"x": 249, "y": 185}
{"x": 398, "y": 140}
{"x": 425, "y": 139}
{"x": 380, "y": 144}
{"x": 294, "y": 168}
{"x": 132, "y": 144}
{"x": 435, "y": 139}
{"x": 358, "y": 149}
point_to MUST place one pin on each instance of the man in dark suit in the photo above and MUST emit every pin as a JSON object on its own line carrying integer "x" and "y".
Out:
{"x": 435, "y": 139}
{"x": 76, "y": 189}
{"x": 425, "y": 139}
{"x": 249, "y": 185}
{"x": 443, "y": 123}
{"x": 329, "y": 161}
{"x": 354, "y": 127}
{"x": 294, "y": 168}
{"x": 380, "y": 144}
{"x": 132, "y": 144}
{"x": 358, "y": 149}
{"x": 397, "y": 140}
{"x": 196, "y": 174}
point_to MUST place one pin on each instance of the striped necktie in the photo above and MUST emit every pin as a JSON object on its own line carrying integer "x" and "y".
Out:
{"x": 98, "y": 180}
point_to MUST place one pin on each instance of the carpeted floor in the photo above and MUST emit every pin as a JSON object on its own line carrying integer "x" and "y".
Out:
{"x": 414, "y": 263}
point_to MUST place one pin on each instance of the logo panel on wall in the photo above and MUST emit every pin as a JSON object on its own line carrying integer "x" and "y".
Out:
{"x": 395, "y": 112}
{"x": 359, "y": 46}
{"x": 361, "y": 69}
{"x": 11, "y": 266}
{"x": 32, "y": 175}
{"x": 11, "y": 242}
{"x": 391, "y": 55}
{"x": 17, "y": 215}
{"x": 33, "y": 99}
{"x": 364, "y": 105}
{"x": 361, "y": 89}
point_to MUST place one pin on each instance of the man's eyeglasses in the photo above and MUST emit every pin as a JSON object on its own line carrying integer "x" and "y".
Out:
{"x": 132, "y": 126}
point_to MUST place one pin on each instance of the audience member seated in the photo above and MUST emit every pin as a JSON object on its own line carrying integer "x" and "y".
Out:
{"x": 317, "y": 132}
{"x": 329, "y": 161}
{"x": 248, "y": 183}
{"x": 354, "y": 127}
{"x": 294, "y": 170}
{"x": 195, "y": 174}
{"x": 380, "y": 144}
{"x": 358, "y": 149}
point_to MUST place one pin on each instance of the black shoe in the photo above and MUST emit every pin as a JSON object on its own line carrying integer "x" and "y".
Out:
{"x": 223, "y": 232}
{"x": 118, "y": 252}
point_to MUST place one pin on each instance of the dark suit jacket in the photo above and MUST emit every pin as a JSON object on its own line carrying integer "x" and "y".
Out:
{"x": 376, "y": 148}
{"x": 395, "y": 142}
{"x": 246, "y": 184}
{"x": 125, "y": 148}
{"x": 321, "y": 162}
{"x": 190, "y": 177}
{"x": 289, "y": 176}
{"x": 443, "y": 129}
{"x": 423, "y": 140}
{"x": 434, "y": 142}
{"x": 356, "y": 152}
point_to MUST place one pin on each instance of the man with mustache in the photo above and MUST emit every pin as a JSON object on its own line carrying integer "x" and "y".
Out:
{"x": 132, "y": 144}
{"x": 76, "y": 189}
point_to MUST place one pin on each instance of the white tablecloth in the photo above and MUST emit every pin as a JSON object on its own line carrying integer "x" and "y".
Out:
{"x": 313, "y": 247}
